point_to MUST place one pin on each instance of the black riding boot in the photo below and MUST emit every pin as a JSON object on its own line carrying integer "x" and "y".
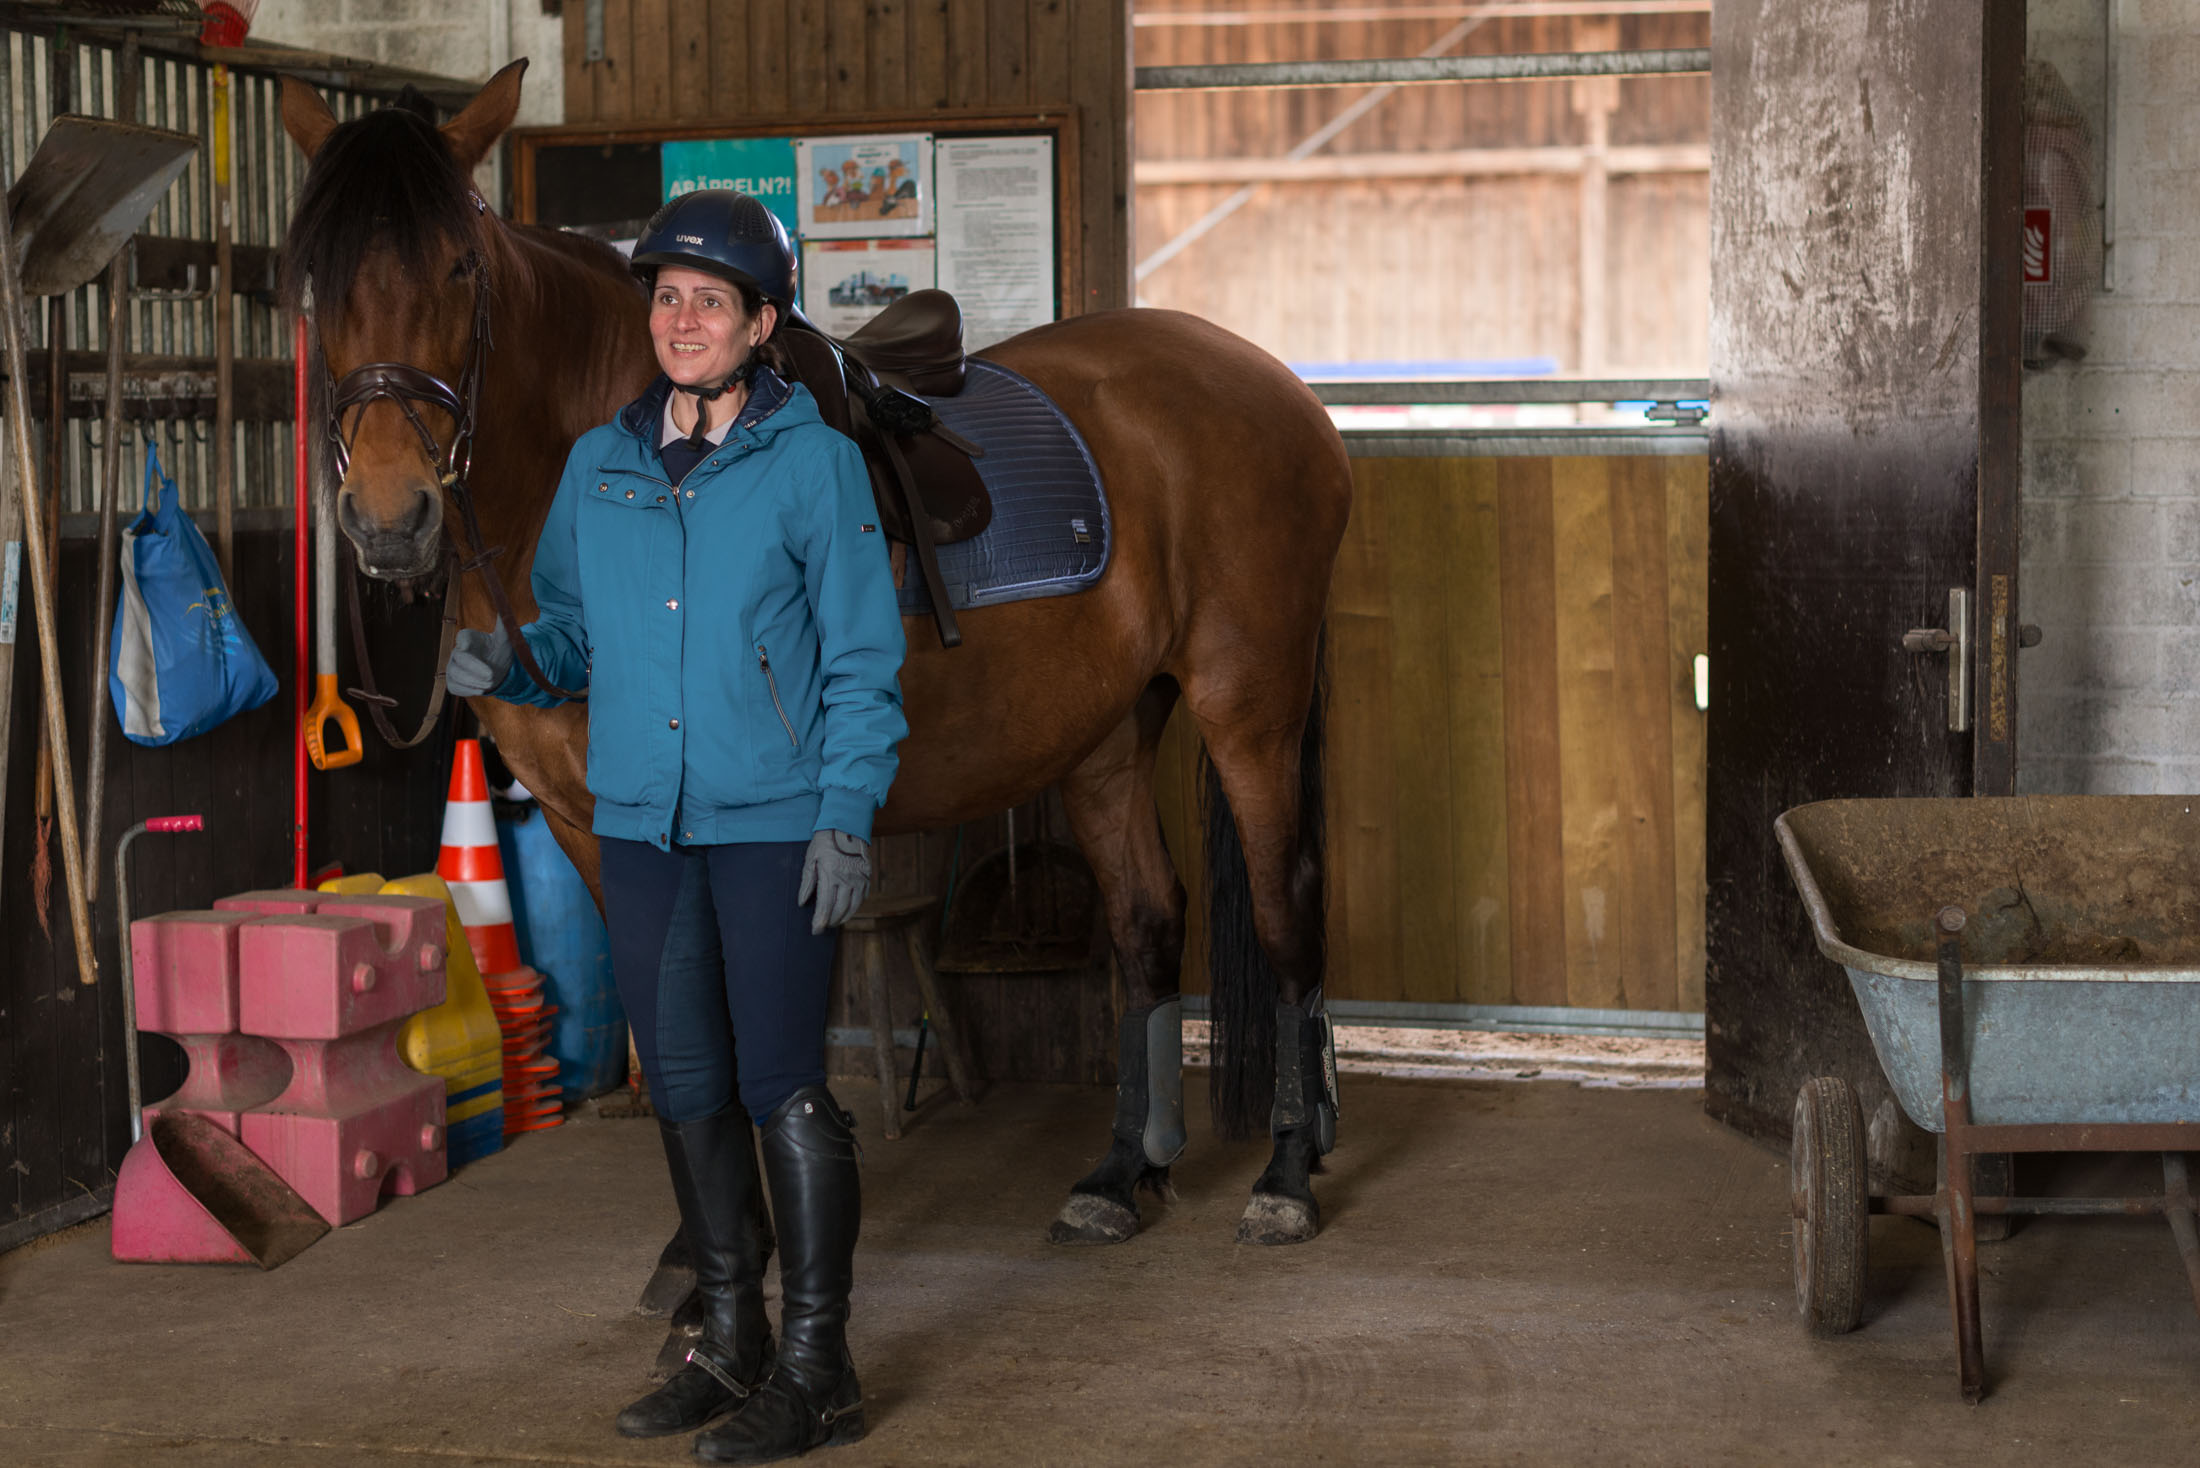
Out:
{"x": 811, "y": 1397}
{"x": 721, "y": 1199}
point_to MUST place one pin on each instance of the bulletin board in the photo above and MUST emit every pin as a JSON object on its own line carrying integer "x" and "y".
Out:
{"x": 981, "y": 204}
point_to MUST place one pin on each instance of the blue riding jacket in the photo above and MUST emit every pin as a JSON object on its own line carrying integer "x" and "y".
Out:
{"x": 738, "y": 634}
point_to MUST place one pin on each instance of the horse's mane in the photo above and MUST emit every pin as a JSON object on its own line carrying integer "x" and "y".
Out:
{"x": 385, "y": 180}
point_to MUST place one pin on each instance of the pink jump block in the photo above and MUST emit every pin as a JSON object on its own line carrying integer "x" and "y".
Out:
{"x": 184, "y": 967}
{"x": 229, "y": 1075}
{"x": 351, "y": 965}
{"x": 274, "y": 902}
{"x": 355, "y": 1123}
{"x": 329, "y": 979}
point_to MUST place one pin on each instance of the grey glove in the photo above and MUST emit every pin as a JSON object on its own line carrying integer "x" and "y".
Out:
{"x": 837, "y": 868}
{"x": 479, "y": 661}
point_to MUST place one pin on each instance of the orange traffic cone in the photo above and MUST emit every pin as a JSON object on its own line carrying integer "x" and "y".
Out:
{"x": 471, "y": 866}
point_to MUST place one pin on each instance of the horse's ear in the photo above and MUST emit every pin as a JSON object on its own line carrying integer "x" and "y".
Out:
{"x": 305, "y": 116}
{"x": 474, "y": 131}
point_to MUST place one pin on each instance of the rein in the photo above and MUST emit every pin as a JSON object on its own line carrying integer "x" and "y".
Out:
{"x": 406, "y": 385}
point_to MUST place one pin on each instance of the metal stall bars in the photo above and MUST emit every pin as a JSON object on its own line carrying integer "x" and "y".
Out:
{"x": 171, "y": 373}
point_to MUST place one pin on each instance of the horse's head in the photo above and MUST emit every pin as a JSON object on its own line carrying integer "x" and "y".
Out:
{"x": 390, "y": 251}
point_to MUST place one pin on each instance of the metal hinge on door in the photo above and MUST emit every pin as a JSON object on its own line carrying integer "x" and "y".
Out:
{"x": 1955, "y": 641}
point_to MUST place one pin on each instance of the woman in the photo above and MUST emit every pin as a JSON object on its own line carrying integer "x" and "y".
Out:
{"x": 711, "y": 569}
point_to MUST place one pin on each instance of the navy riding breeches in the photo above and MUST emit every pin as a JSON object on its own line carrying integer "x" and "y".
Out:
{"x": 711, "y": 953}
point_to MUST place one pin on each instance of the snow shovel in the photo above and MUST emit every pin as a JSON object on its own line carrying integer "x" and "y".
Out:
{"x": 85, "y": 191}
{"x": 188, "y": 1192}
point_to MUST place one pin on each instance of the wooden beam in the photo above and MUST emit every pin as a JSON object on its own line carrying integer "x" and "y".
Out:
{"x": 169, "y": 387}
{"x": 1449, "y": 163}
{"x": 1364, "y": 13}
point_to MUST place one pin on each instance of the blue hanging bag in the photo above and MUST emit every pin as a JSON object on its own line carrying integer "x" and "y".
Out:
{"x": 181, "y": 660}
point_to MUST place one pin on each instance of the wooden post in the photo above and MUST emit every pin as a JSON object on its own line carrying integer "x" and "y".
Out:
{"x": 1596, "y": 99}
{"x": 15, "y": 328}
{"x": 225, "y": 346}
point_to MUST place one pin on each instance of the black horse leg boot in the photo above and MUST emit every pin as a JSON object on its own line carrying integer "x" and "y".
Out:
{"x": 721, "y": 1199}
{"x": 811, "y": 1397}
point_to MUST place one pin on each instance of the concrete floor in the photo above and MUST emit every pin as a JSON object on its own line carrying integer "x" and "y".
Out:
{"x": 1513, "y": 1272}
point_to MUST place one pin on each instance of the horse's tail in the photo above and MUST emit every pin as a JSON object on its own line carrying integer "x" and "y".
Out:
{"x": 1241, "y": 985}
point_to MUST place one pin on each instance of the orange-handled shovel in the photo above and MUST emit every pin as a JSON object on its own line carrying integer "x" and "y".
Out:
{"x": 327, "y": 702}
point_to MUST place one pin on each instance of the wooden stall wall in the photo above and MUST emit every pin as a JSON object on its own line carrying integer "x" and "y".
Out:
{"x": 63, "y": 1093}
{"x": 1515, "y": 761}
{"x": 64, "y": 1098}
{"x": 64, "y": 1114}
{"x": 667, "y": 61}
{"x": 1566, "y": 220}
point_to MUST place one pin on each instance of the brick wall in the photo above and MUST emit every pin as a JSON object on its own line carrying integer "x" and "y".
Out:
{"x": 451, "y": 38}
{"x": 2110, "y": 702}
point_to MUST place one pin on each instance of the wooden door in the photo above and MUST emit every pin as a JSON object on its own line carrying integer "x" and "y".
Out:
{"x": 1514, "y": 761}
{"x": 1866, "y": 173}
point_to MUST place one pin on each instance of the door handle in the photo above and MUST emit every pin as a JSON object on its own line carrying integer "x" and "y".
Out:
{"x": 1954, "y": 640}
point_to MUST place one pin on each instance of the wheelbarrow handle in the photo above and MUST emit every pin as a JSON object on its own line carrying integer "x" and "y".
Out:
{"x": 329, "y": 704}
{"x": 176, "y": 823}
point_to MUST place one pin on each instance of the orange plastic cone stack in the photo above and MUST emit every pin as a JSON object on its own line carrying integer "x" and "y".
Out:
{"x": 471, "y": 866}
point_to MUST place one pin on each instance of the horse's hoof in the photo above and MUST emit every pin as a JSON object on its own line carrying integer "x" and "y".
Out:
{"x": 1088, "y": 1218}
{"x": 1270, "y": 1219}
{"x": 672, "y": 1286}
{"x": 684, "y": 1336}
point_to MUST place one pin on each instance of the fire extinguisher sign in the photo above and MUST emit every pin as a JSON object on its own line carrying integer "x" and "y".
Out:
{"x": 2039, "y": 246}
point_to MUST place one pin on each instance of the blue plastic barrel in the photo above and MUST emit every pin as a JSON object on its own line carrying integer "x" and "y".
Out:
{"x": 562, "y": 938}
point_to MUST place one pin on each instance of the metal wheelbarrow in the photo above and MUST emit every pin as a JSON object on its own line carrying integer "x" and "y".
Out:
{"x": 2027, "y": 969}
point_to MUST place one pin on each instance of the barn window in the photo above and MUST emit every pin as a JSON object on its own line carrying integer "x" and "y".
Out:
{"x": 1434, "y": 233}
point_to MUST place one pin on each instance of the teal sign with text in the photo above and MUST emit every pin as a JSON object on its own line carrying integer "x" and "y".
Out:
{"x": 763, "y": 167}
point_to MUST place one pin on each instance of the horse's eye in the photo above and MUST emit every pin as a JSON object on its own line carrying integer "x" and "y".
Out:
{"x": 458, "y": 269}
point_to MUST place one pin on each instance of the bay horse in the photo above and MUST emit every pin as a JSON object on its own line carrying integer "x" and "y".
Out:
{"x": 1228, "y": 489}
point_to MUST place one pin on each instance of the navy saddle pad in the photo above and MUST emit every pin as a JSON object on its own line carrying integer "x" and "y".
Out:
{"x": 1049, "y": 533}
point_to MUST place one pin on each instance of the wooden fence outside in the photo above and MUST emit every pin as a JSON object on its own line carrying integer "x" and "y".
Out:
{"x": 1499, "y": 222}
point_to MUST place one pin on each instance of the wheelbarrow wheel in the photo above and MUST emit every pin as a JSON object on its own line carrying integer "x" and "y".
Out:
{"x": 1830, "y": 1196}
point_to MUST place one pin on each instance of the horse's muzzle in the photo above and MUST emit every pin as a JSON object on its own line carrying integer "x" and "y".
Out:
{"x": 395, "y": 548}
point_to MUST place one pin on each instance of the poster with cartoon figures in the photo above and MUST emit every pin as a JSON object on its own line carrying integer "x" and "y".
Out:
{"x": 847, "y": 282}
{"x": 864, "y": 187}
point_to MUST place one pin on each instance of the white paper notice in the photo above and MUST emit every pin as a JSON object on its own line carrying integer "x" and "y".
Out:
{"x": 996, "y": 233}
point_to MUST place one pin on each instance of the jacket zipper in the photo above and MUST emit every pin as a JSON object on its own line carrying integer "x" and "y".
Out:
{"x": 763, "y": 660}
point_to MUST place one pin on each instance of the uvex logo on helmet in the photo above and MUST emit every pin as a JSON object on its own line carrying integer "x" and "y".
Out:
{"x": 689, "y": 239}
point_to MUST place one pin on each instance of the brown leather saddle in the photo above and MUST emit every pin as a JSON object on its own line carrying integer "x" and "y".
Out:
{"x": 924, "y": 476}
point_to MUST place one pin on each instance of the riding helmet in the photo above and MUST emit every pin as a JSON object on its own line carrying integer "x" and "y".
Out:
{"x": 724, "y": 233}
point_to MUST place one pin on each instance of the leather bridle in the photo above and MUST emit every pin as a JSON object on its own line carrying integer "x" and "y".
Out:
{"x": 411, "y": 388}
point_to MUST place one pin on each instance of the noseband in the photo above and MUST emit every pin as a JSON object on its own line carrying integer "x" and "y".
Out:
{"x": 406, "y": 385}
